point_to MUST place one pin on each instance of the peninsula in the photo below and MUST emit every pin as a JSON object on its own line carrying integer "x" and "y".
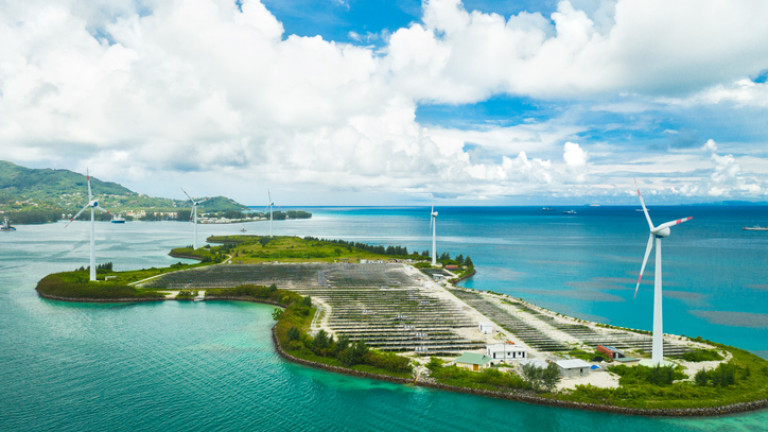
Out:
{"x": 388, "y": 314}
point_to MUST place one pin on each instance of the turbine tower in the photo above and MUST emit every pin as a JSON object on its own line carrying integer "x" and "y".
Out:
{"x": 194, "y": 216}
{"x": 94, "y": 205}
{"x": 271, "y": 204}
{"x": 658, "y": 232}
{"x": 433, "y": 225}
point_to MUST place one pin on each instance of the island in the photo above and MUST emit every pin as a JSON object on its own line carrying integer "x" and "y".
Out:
{"x": 34, "y": 196}
{"x": 387, "y": 313}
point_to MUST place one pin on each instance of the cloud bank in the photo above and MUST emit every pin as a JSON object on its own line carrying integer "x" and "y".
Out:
{"x": 217, "y": 94}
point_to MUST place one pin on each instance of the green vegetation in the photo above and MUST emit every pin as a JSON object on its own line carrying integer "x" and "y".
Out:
{"x": 486, "y": 379}
{"x": 638, "y": 375}
{"x": 75, "y": 285}
{"x": 256, "y": 249}
{"x": 743, "y": 379}
{"x": 43, "y": 195}
{"x": 291, "y": 332}
{"x": 542, "y": 378}
{"x": 701, "y": 355}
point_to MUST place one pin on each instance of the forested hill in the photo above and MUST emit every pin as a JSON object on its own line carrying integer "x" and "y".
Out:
{"x": 28, "y": 195}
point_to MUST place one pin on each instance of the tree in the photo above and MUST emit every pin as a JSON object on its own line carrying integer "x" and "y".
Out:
{"x": 277, "y": 313}
{"x": 306, "y": 301}
{"x": 460, "y": 259}
{"x": 701, "y": 378}
{"x": 293, "y": 334}
{"x": 550, "y": 377}
{"x": 468, "y": 262}
{"x": 321, "y": 342}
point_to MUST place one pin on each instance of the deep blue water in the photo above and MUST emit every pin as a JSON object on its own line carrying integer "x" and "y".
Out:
{"x": 211, "y": 366}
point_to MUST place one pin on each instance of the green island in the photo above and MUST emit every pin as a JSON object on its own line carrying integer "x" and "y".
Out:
{"x": 387, "y": 313}
{"x": 35, "y": 196}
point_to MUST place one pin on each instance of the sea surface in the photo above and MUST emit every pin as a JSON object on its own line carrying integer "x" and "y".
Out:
{"x": 210, "y": 366}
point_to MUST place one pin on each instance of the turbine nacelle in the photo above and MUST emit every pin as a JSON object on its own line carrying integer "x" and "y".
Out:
{"x": 662, "y": 233}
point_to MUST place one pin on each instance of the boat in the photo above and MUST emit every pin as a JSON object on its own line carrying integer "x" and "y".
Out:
{"x": 243, "y": 229}
{"x": 547, "y": 209}
{"x": 6, "y": 226}
{"x": 118, "y": 219}
{"x": 569, "y": 212}
{"x": 755, "y": 228}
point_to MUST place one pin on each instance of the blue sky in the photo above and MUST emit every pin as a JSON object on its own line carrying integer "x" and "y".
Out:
{"x": 352, "y": 102}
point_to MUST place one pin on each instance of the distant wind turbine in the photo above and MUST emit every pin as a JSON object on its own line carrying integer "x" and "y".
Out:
{"x": 93, "y": 205}
{"x": 270, "y": 205}
{"x": 659, "y": 232}
{"x": 433, "y": 225}
{"x": 194, "y": 216}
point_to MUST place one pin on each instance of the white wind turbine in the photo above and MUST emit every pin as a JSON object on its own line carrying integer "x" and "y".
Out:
{"x": 433, "y": 225}
{"x": 270, "y": 205}
{"x": 194, "y": 216}
{"x": 659, "y": 232}
{"x": 92, "y": 204}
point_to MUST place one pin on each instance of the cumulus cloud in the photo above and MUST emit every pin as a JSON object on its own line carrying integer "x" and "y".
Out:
{"x": 204, "y": 86}
{"x": 727, "y": 176}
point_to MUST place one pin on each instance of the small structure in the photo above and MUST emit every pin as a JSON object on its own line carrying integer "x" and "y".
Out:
{"x": 486, "y": 327}
{"x": 610, "y": 352}
{"x": 473, "y": 361}
{"x": 573, "y": 367}
{"x": 438, "y": 277}
{"x": 504, "y": 352}
{"x": 451, "y": 267}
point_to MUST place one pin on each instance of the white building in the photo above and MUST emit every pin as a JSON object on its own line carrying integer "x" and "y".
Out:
{"x": 505, "y": 352}
{"x": 573, "y": 367}
{"x": 486, "y": 327}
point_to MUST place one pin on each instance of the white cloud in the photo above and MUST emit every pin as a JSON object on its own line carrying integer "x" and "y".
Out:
{"x": 573, "y": 155}
{"x": 199, "y": 86}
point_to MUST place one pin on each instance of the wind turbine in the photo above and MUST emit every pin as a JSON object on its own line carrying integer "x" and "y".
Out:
{"x": 658, "y": 232}
{"x": 93, "y": 205}
{"x": 194, "y": 216}
{"x": 270, "y": 205}
{"x": 433, "y": 225}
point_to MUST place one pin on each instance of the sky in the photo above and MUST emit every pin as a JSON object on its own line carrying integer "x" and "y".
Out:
{"x": 393, "y": 102}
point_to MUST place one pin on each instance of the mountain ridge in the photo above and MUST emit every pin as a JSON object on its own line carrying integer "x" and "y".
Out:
{"x": 62, "y": 191}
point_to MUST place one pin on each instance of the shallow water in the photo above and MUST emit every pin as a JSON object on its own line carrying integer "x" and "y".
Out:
{"x": 211, "y": 365}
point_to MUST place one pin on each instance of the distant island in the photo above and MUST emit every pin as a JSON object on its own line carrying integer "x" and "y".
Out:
{"x": 30, "y": 196}
{"x": 387, "y": 313}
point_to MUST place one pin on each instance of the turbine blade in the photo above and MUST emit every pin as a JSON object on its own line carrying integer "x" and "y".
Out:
{"x": 78, "y": 214}
{"x": 99, "y": 208}
{"x": 673, "y": 223}
{"x": 88, "y": 178}
{"x": 185, "y": 193}
{"x": 269, "y": 195}
{"x": 645, "y": 210}
{"x": 645, "y": 261}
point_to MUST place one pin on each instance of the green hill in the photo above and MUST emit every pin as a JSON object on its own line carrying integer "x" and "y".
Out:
{"x": 43, "y": 195}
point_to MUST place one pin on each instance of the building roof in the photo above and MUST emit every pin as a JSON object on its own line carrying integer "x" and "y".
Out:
{"x": 473, "y": 358}
{"x": 506, "y": 347}
{"x": 572, "y": 364}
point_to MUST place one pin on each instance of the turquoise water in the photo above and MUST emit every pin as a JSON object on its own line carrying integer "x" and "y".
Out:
{"x": 211, "y": 366}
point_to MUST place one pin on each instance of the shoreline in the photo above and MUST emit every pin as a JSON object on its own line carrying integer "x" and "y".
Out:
{"x": 531, "y": 398}
{"x": 523, "y": 397}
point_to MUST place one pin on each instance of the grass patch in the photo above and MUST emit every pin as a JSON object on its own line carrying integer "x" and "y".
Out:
{"x": 76, "y": 285}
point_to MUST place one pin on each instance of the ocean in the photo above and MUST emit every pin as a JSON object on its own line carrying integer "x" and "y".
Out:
{"x": 211, "y": 365}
